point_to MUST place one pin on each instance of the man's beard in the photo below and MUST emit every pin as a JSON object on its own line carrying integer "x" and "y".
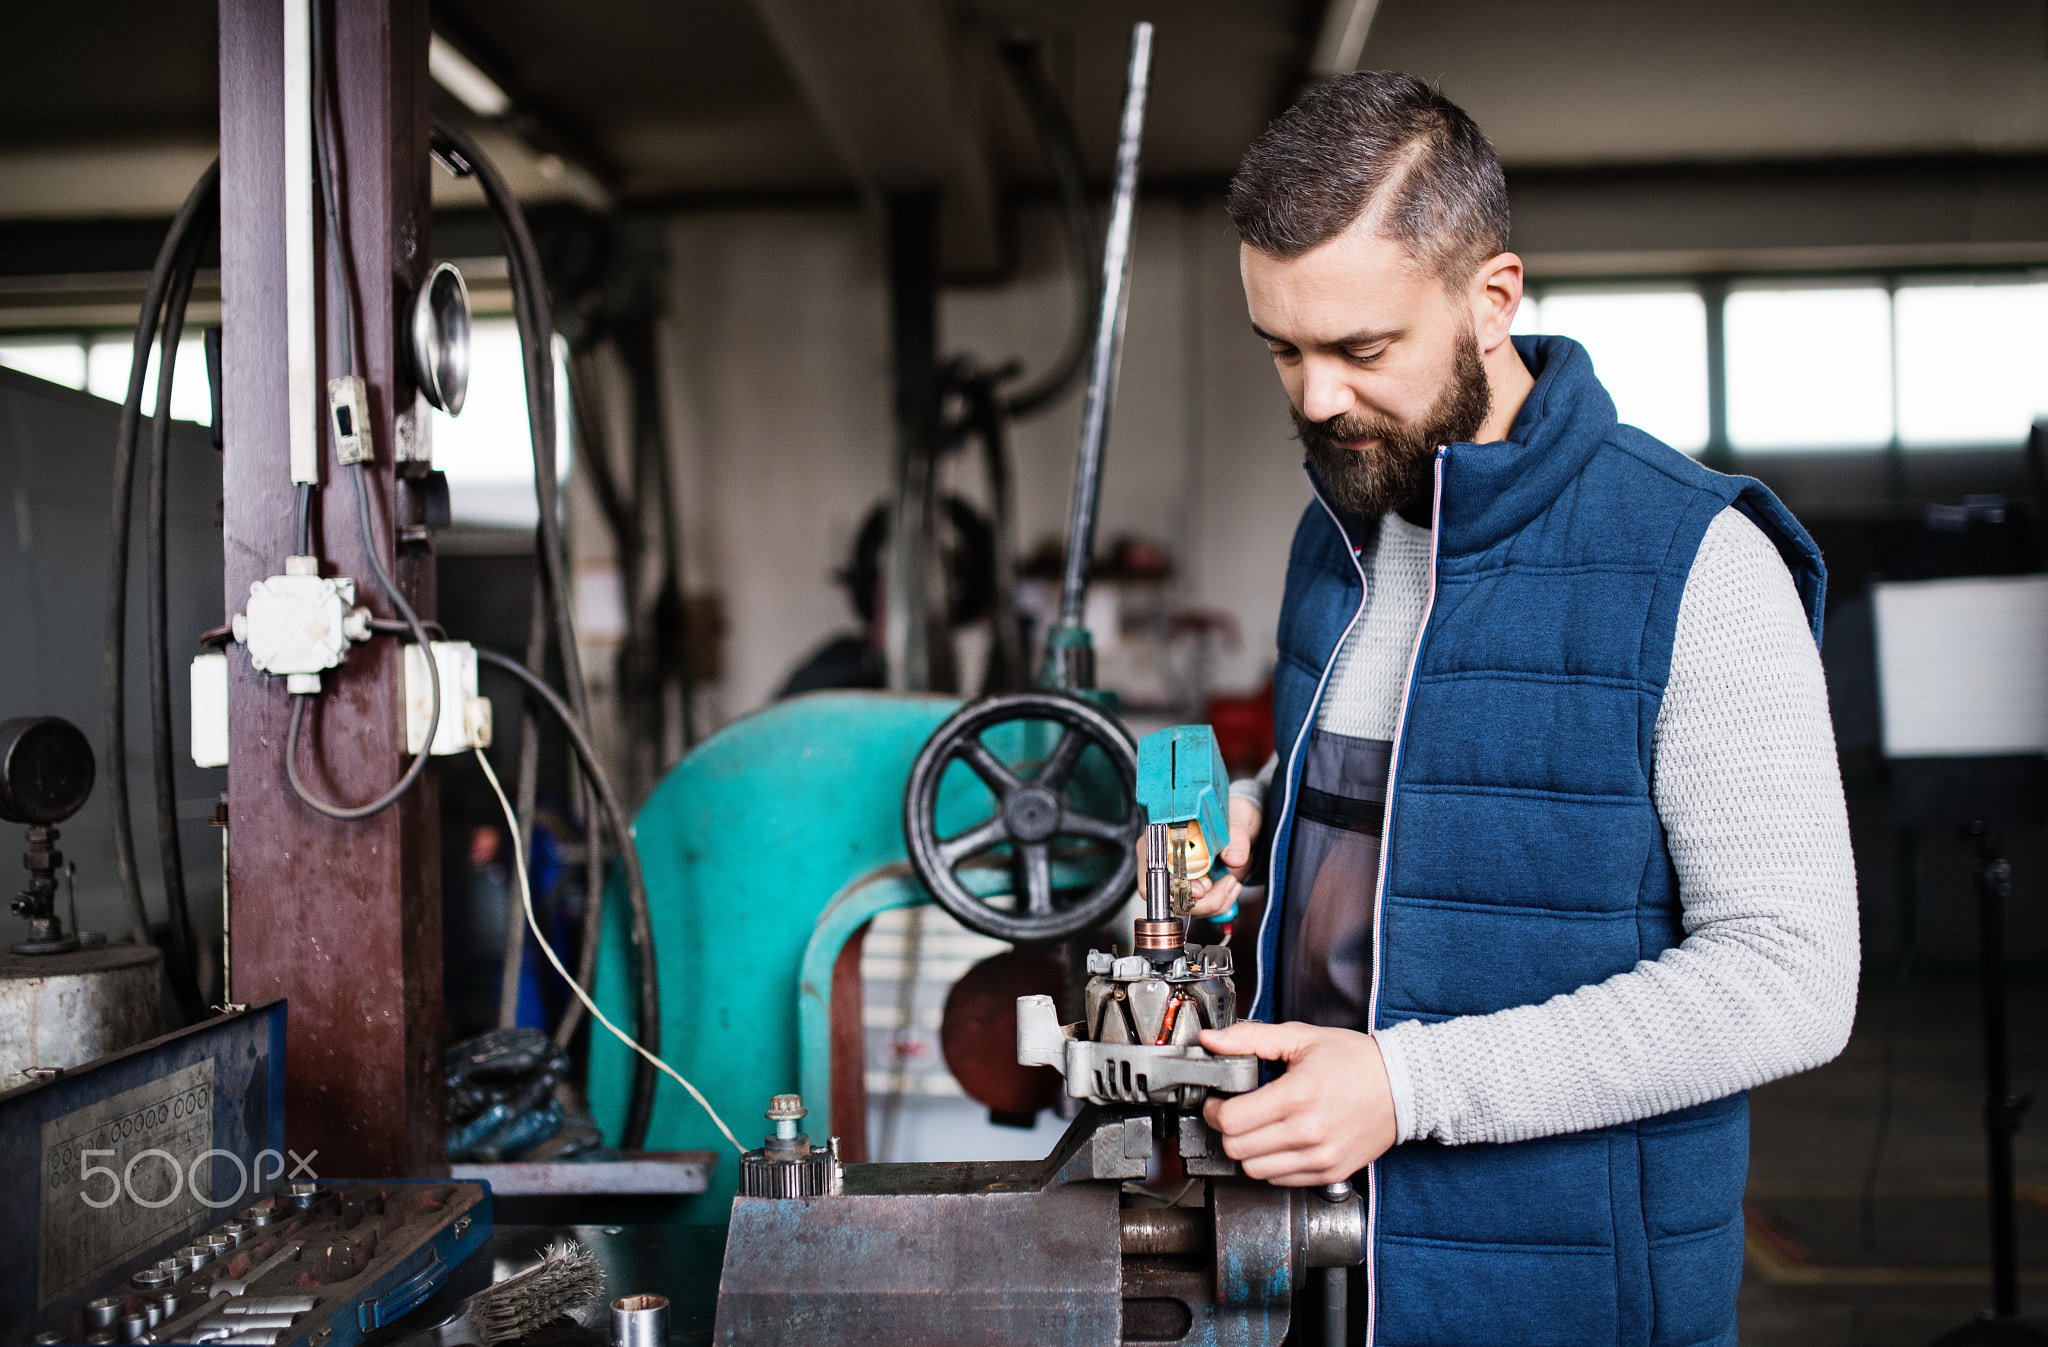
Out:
{"x": 1395, "y": 471}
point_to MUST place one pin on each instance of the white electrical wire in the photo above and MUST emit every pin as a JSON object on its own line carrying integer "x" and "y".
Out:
{"x": 526, "y": 898}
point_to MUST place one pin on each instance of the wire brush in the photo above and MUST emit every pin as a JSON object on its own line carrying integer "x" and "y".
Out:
{"x": 567, "y": 1276}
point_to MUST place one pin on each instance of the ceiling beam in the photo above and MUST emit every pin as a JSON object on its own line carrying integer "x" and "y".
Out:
{"x": 882, "y": 77}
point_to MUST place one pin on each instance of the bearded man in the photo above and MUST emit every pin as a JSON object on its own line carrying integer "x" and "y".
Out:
{"x": 1558, "y": 861}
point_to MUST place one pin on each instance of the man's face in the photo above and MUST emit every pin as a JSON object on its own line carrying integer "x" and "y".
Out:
{"x": 1379, "y": 359}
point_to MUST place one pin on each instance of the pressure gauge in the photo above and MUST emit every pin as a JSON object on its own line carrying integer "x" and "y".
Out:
{"x": 46, "y": 770}
{"x": 440, "y": 338}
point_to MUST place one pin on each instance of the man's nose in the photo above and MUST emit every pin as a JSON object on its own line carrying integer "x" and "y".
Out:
{"x": 1323, "y": 395}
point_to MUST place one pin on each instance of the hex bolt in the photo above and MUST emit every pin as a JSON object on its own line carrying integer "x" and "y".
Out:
{"x": 785, "y": 1111}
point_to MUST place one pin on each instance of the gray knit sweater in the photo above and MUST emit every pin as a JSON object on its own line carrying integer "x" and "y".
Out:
{"x": 1747, "y": 787}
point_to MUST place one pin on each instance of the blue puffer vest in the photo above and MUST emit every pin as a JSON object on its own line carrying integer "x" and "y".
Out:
{"x": 1523, "y": 858}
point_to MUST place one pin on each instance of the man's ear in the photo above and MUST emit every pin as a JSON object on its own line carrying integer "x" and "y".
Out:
{"x": 1495, "y": 293}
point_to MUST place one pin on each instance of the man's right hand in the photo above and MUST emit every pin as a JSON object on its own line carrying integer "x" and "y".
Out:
{"x": 1213, "y": 897}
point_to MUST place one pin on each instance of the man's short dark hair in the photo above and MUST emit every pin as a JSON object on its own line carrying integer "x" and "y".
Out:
{"x": 1381, "y": 145}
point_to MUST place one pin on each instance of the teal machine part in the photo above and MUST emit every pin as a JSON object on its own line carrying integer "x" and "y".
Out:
{"x": 1182, "y": 780}
{"x": 742, "y": 845}
{"x": 763, "y": 851}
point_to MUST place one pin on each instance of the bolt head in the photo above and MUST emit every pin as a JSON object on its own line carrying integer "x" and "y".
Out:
{"x": 787, "y": 1108}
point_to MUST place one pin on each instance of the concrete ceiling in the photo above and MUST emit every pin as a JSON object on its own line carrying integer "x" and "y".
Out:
{"x": 1648, "y": 81}
{"x": 107, "y": 109}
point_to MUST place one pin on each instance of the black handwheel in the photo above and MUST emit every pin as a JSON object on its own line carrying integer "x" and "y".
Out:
{"x": 1033, "y": 810}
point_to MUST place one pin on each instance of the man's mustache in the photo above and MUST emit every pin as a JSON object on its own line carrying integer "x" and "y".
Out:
{"x": 1343, "y": 428}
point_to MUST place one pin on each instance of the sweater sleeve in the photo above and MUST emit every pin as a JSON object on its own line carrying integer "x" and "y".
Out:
{"x": 1764, "y": 983}
{"x": 1254, "y": 788}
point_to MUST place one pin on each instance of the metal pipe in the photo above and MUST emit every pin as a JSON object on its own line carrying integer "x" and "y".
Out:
{"x": 1109, "y": 331}
{"x": 301, "y": 314}
{"x": 1164, "y": 1230}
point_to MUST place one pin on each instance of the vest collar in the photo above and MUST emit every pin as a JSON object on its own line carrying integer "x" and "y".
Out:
{"x": 1491, "y": 491}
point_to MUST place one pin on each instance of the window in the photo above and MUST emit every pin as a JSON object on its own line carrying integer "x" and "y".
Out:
{"x": 1649, "y": 349}
{"x": 110, "y": 358}
{"x": 1972, "y": 360}
{"x": 60, "y": 361}
{"x": 99, "y": 364}
{"x": 1809, "y": 367}
{"x": 487, "y": 451}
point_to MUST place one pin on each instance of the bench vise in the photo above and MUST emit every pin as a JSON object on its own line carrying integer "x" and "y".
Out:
{"x": 1072, "y": 1248}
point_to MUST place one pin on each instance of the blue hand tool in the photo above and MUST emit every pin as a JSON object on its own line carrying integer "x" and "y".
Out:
{"x": 1183, "y": 784}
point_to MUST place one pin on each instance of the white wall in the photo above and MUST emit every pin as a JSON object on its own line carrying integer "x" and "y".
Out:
{"x": 777, "y": 356}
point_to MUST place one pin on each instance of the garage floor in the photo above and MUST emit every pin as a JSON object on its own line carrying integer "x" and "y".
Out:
{"x": 1818, "y": 1273}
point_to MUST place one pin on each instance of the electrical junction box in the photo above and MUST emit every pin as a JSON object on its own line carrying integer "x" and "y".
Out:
{"x": 465, "y": 716}
{"x": 300, "y": 623}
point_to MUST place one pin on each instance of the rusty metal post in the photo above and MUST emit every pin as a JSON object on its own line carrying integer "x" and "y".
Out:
{"x": 342, "y": 919}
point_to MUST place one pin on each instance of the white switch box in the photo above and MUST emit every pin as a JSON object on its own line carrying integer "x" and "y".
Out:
{"x": 210, "y": 709}
{"x": 465, "y": 716}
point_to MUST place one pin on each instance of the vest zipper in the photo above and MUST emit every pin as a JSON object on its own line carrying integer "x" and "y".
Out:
{"x": 1379, "y": 935}
{"x": 1273, "y": 895}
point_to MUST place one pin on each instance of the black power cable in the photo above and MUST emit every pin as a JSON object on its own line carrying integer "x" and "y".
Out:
{"x": 181, "y": 963}
{"x": 649, "y": 1023}
{"x": 202, "y": 199}
{"x": 1062, "y": 149}
{"x": 351, "y": 813}
{"x": 532, "y": 311}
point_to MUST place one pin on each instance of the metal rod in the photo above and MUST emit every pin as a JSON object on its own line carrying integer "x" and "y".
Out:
{"x": 1336, "y": 1306}
{"x": 1109, "y": 331}
{"x": 227, "y": 926}
{"x": 907, "y": 635}
{"x": 301, "y": 315}
{"x": 1158, "y": 881}
{"x": 2002, "y": 1112}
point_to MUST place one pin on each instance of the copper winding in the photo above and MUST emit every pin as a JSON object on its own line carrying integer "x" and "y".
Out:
{"x": 1166, "y": 1024}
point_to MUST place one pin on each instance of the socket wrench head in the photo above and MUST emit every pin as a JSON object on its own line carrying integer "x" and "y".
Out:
{"x": 640, "y": 1321}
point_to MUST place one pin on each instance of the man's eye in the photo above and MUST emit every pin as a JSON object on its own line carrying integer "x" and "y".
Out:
{"x": 1280, "y": 350}
{"x": 1365, "y": 356}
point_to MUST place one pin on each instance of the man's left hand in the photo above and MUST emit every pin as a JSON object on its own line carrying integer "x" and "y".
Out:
{"x": 1328, "y": 1117}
